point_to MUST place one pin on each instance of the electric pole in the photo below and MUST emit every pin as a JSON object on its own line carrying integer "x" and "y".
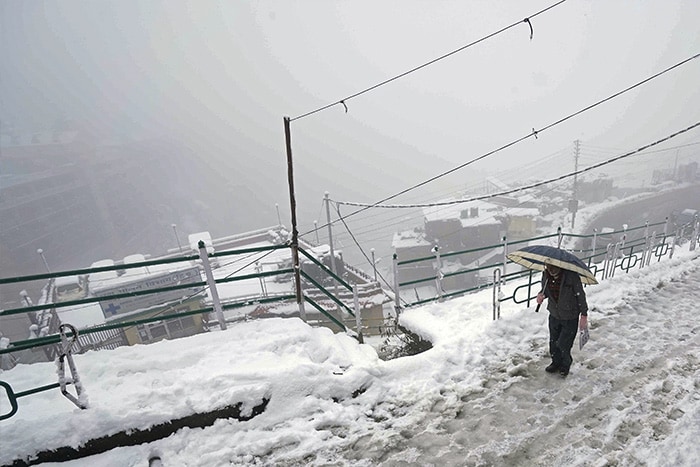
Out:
{"x": 573, "y": 205}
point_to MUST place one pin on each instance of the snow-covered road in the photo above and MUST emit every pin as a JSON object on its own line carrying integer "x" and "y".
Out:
{"x": 629, "y": 387}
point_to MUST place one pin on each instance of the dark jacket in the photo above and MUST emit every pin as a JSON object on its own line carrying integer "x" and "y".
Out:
{"x": 572, "y": 298}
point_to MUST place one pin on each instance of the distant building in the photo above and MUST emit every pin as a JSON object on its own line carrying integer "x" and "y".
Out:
{"x": 136, "y": 307}
{"x": 521, "y": 223}
{"x": 459, "y": 227}
{"x": 410, "y": 245}
{"x": 460, "y": 231}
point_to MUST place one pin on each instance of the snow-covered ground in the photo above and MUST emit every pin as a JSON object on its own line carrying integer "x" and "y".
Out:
{"x": 480, "y": 396}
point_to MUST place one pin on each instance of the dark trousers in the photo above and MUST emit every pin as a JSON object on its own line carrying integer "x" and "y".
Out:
{"x": 562, "y": 333}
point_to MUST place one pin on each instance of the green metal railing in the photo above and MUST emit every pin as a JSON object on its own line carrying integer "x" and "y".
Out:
{"x": 632, "y": 252}
{"x": 200, "y": 286}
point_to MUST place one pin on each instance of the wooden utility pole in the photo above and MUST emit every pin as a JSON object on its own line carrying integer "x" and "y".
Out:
{"x": 295, "y": 232}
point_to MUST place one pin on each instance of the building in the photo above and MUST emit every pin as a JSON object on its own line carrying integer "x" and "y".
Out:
{"x": 459, "y": 233}
{"x": 136, "y": 307}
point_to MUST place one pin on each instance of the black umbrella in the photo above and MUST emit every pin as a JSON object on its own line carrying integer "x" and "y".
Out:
{"x": 537, "y": 256}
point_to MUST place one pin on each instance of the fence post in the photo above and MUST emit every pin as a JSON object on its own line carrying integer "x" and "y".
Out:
{"x": 629, "y": 260}
{"x": 438, "y": 272}
{"x": 327, "y": 201}
{"x": 609, "y": 257}
{"x": 593, "y": 245}
{"x": 645, "y": 250}
{"x": 397, "y": 299}
{"x": 496, "y": 294}
{"x": 617, "y": 253}
{"x": 696, "y": 232}
{"x": 263, "y": 287}
{"x": 358, "y": 314}
{"x": 505, "y": 259}
{"x": 212, "y": 285}
{"x": 652, "y": 245}
{"x": 560, "y": 237}
{"x": 374, "y": 265}
{"x": 673, "y": 244}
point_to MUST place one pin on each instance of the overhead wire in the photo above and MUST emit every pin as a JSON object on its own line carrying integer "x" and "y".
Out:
{"x": 481, "y": 221}
{"x": 514, "y": 142}
{"x": 638, "y": 151}
{"x": 534, "y": 131}
{"x": 356, "y": 233}
{"x": 389, "y": 286}
{"x": 343, "y": 101}
{"x": 544, "y": 182}
{"x": 378, "y": 228}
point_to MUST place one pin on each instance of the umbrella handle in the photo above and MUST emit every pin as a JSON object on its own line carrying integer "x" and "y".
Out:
{"x": 546, "y": 279}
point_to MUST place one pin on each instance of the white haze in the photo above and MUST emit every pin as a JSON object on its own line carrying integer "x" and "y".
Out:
{"x": 203, "y": 86}
{"x": 218, "y": 77}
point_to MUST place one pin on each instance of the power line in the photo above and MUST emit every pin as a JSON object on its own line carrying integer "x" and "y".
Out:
{"x": 505, "y": 192}
{"x": 533, "y": 185}
{"x": 412, "y": 70}
{"x": 400, "y": 218}
{"x": 523, "y": 138}
{"x": 366, "y": 206}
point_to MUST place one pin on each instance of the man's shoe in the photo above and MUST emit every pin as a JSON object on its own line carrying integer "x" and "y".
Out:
{"x": 564, "y": 372}
{"x": 552, "y": 368}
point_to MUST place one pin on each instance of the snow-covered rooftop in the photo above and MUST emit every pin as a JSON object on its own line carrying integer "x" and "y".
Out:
{"x": 478, "y": 213}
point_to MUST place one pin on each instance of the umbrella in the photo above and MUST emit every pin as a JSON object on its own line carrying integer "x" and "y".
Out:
{"x": 536, "y": 256}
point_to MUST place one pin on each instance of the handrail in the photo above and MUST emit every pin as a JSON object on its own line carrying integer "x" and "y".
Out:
{"x": 201, "y": 285}
{"x": 327, "y": 293}
{"x": 119, "y": 267}
{"x": 137, "y": 293}
{"x": 658, "y": 251}
{"x": 627, "y": 261}
{"x": 325, "y": 313}
{"x": 55, "y": 338}
{"x": 325, "y": 269}
{"x": 245, "y": 251}
{"x": 472, "y": 250}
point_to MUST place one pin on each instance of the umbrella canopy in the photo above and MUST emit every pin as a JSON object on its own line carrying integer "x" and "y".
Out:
{"x": 536, "y": 256}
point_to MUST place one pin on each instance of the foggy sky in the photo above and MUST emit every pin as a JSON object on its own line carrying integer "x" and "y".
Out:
{"x": 220, "y": 77}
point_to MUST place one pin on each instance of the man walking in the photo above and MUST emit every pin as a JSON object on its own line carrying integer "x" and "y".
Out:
{"x": 566, "y": 301}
